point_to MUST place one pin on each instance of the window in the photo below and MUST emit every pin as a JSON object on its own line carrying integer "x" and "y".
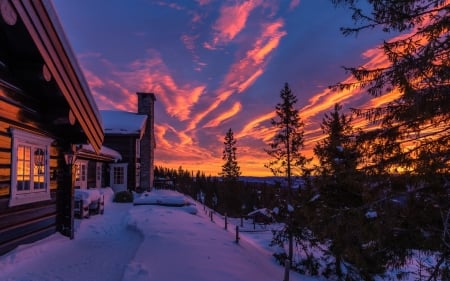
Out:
{"x": 80, "y": 174}
{"x": 29, "y": 168}
{"x": 119, "y": 175}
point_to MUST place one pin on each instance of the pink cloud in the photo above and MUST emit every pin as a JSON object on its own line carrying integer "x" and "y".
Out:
{"x": 232, "y": 21}
{"x": 294, "y": 4}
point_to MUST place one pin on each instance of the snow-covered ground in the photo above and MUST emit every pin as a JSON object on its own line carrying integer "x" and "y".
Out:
{"x": 147, "y": 242}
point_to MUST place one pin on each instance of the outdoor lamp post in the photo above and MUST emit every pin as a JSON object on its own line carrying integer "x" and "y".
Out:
{"x": 69, "y": 225}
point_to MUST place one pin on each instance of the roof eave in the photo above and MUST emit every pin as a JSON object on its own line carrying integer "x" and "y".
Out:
{"x": 43, "y": 26}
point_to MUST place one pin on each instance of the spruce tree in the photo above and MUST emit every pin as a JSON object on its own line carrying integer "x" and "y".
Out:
{"x": 419, "y": 69}
{"x": 411, "y": 144}
{"x": 285, "y": 149}
{"x": 230, "y": 169}
{"x": 339, "y": 185}
{"x": 337, "y": 153}
{"x": 287, "y": 160}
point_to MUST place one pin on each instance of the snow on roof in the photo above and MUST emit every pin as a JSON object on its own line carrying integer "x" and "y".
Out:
{"x": 103, "y": 150}
{"x": 122, "y": 122}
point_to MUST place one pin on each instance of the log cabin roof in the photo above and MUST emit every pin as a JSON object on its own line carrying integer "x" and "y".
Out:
{"x": 38, "y": 24}
{"x": 116, "y": 122}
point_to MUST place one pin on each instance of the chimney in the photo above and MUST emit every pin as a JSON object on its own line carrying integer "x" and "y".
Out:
{"x": 146, "y": 102}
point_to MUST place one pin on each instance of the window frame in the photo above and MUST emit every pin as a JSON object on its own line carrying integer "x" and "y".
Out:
{"x": 33, "y": 141}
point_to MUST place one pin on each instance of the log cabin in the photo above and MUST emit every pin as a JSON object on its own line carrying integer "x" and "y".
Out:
{"x": 46, "y": 109}
{"x": 132, "y": 135}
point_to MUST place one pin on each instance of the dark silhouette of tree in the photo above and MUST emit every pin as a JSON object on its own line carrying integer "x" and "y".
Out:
{"x": 337, "y": 153}
{"x": 412, "y": 136}
{"x": 419, "y": 70}
{"x": 338, "y": 183}
{"x": 287, "y": 159}
{"x": 230, "y": 170}
{"x": 285, "y": 149}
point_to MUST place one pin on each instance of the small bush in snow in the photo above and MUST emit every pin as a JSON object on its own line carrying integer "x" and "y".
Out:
{"x": 123, "y": 197}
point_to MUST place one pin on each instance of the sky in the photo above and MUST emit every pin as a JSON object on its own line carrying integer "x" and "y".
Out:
{"x": 147, "y": 242}
{"x": 218, "y": 65}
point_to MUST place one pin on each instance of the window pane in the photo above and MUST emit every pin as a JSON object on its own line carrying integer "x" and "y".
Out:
{"x": 118, "y": 175}
{"x": 23, "y": 176}
{"x": 77, "y": 172}
{"x": 39, "y": 169}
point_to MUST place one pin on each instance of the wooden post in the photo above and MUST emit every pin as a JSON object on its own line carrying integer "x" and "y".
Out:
{"x": 242, "y": 221}
{"x": 226, "y": 221}
{"x": 211, "y": 215}
{"x": 237, "y": 234}
{"x": 286, "y": 270}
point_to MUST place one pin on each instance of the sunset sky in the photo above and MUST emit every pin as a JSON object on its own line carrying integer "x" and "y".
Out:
{"x": 215, "y": 65}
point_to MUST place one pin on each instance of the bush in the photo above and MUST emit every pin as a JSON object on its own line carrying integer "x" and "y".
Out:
{"x": 123, "y": 197}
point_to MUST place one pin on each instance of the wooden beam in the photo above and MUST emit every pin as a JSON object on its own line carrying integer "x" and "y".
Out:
{"x": 41, "y": 22}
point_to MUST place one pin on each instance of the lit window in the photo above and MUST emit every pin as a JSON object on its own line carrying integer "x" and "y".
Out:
{"x": 30, "y": 169}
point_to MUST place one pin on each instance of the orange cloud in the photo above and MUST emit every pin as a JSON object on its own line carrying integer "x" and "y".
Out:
{"x": 245, "y": 71}
{"x": 269, "y": 40}
{"x": 258, "y": 128}
{"x": 225, "y": 115}
{"x": 153, "y": 75}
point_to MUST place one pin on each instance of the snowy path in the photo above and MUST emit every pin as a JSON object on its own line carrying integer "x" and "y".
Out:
{"x": 144, "y": 243}
{"x": 102, "y": 248}
{"x": 180, "y": 246}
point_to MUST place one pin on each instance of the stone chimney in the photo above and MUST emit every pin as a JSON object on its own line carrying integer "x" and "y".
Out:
{"x": 146, "y": 102}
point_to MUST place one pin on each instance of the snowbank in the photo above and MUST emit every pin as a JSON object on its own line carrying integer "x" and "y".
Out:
{"x": 168, "y": 198}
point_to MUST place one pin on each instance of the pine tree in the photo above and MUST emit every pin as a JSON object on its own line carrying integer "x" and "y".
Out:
{"x": 413, "y": 136}
{"x": 230, "y": 170}
{"x": 339, "y": 185}
{"x": 288, "y": 141}
{"x": 419, "y": 70}
{"x": 288, "y": 161}
{"x": 337, "y": 153}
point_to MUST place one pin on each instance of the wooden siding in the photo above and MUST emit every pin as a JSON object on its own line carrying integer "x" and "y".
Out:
{"x": 44, "y": 106}
{"x": 29, "y": 222}
{"x": 21, "y": 225}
